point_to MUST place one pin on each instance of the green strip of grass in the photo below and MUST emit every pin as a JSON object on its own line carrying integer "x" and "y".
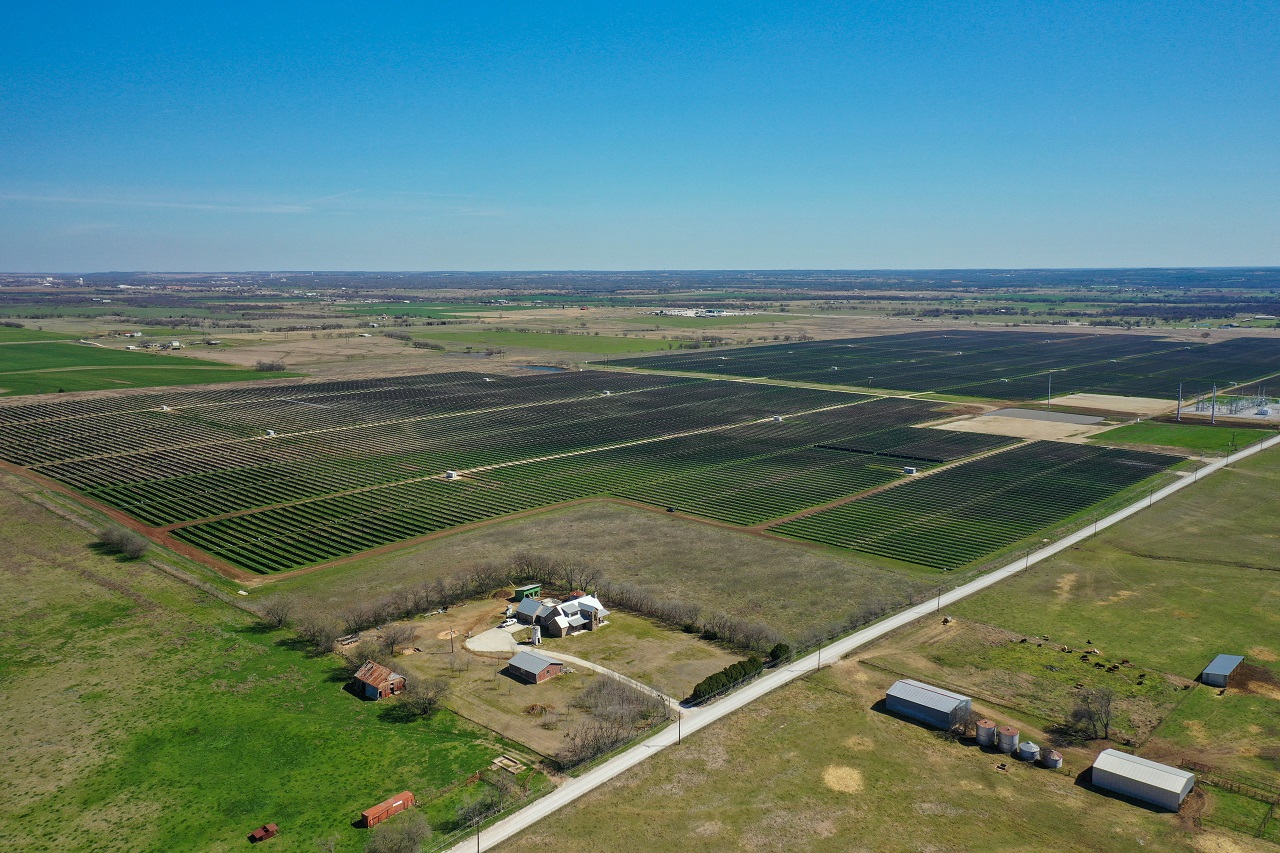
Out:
{"x": 43, "y": 368}
{"x": 8, "y": 335}
{"x": 105, "y": 379}
{"x": 1196, "y": 437}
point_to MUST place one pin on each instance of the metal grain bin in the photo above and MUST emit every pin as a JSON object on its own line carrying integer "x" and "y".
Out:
{"x": 986, "y": 733}
{"x": 1028, "y": 751}
{"x": 1051, "y": 758}
{"x": 1006, "y": 739}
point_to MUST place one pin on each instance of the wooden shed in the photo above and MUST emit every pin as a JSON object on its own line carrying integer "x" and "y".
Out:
{"x": 377, "y": 681}
{"x": 262, "y": 833}
{"x": 387, "y": 808}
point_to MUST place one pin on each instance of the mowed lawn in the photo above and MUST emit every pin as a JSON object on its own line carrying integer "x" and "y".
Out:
{"x": 142, "y": 714}
{"x": 1194, "y": 437}
{"x": 594, "y": 344}
{"x": 40, "y": 368}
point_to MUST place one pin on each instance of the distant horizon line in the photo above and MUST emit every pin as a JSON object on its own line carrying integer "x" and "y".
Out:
{"x": 652, "y": 270}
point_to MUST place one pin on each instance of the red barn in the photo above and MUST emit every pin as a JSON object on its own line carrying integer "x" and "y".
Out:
{"x": 533, "y": 667}
{"x": 387, "y": 808}
{"x": 262, "y": 833}
{"x": 377, "y": 681}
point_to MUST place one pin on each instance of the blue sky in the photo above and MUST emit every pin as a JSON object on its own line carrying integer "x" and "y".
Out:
{"x": 639, "y": 136}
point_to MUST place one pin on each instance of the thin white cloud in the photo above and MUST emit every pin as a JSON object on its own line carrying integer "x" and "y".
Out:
{"x": 304, "y": 207}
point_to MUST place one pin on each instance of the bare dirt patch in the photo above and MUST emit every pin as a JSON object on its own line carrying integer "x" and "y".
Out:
{"x": 1111, "y": 403}
{"x": 1117, "y": 597}
{"x": 1062, "y": 588}
{"x": 1257, "y": 680}
{"x": 846, "y": 780}
{"x": 1023, "y": 428}
{"x": 1264, "y": 654}
{"x": 858, "y": 743}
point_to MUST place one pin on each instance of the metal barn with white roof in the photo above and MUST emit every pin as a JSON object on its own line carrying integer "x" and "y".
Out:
{"x": 1158, "y": 784}
{"x": 927, "y": 704}
{"x": 1219, "y": 670}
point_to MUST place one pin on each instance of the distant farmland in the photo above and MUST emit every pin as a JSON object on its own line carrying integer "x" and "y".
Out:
{"x": 50, "y": 367}
{"x": 1003, "y": 365}
{"x": 275, "y": 478}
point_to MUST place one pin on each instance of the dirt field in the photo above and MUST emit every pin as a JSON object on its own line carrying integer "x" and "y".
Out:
{"x": 1145, "y": 406}
{"x": 1023, "y": 428}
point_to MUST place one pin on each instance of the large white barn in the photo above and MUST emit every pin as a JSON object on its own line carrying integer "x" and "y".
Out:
{"x": 1158, "y": 784}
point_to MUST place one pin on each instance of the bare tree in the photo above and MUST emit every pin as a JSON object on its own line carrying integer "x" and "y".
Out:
{"x": 396, "y": 635}
{"x": 424, "y": 695}
{"x": 486, "y": 805}
{"x": 365, "y": 650}
{"x": 403, "y": 834}
{"x": 615, "y": 700}
{"x": 591, "y": 738}
{"x": 328, "y": 845}
{"x": 276, "y": 611}
{"x": 320, "y": 634}
{"x": 578, "y": 575}
{"x": 1093, "y": 711}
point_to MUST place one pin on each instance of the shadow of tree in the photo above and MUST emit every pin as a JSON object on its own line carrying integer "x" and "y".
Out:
{"x": 395, "y": 712}
{"x": 104, "y": 550}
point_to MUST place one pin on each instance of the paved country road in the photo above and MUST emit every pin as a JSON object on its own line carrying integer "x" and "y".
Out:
{"x": 696, "y": 718}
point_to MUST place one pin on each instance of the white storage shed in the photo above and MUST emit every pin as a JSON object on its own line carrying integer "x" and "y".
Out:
{"x": 927, "y": 704}
{"x": 1149, "y": 781}
{"x": 1219, "y": 670}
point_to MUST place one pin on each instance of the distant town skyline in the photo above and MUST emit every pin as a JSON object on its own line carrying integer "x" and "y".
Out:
{"x": 712, "y": 136}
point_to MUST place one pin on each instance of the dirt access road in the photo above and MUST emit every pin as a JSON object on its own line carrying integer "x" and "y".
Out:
{"x": 694, "y": 719}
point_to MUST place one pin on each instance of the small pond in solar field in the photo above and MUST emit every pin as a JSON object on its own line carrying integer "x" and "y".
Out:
{"x": 546, "y": 367}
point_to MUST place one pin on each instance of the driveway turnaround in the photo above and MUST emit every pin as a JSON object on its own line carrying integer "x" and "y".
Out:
{"x": 696, "y": 718}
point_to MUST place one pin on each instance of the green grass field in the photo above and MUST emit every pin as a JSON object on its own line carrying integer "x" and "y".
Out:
{"x": 1190, "y": 578}
{"x": 594, "y": 344}
{"x": 143, "y": 714}
{"x": 817, "y": 766}
{"x": 1198, "y": 567}
{"x": 42, "y": 368}
{"x": 796, "y": 589}
{"x": 1195, "y": 437}
{"x": 8, "y": 334}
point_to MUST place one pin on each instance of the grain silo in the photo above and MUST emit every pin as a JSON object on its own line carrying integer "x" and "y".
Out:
{"x": 986, "y": 733}
{"x": 1028, "y": 751}
{"x": 1006, "y": 739}
{"x": 1051, "y": 758}
{"x": 1148, "y": 781}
